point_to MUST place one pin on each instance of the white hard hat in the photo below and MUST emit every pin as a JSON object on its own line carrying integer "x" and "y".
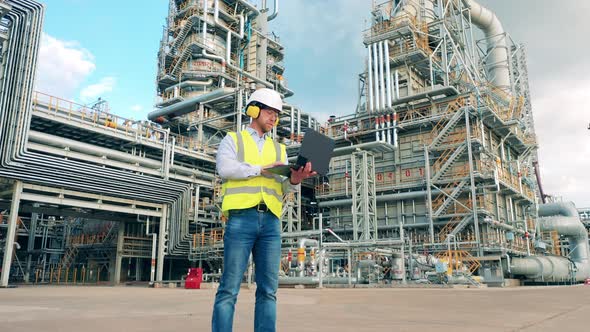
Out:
{"x": 268, "y": 97}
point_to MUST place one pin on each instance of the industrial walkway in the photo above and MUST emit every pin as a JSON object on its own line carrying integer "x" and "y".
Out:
{"x": 142, "y": 309}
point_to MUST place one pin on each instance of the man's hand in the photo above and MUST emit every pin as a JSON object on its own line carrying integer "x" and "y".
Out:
{"x": 301, "y": 174}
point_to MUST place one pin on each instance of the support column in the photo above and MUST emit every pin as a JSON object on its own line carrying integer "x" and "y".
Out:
{"x": 31, "y": 243}
{"x": 429, "y": 193}
{"x": 138, "y": 269}
{"x": 162, "y": 243}
{"x": 119, "y": 253}
{"x": 473, "y": 189}
{"x": 10, "y": 234}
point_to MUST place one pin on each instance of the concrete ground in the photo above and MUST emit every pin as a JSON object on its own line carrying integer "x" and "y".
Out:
{"x": 67, "y": 308}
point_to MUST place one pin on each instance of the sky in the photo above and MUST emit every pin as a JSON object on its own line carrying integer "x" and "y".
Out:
{"x": 108, "y": 49}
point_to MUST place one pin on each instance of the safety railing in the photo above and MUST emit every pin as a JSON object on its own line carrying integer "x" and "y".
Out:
{"x": 143, "y": 130}
{"x": 208, "y": 238}
{"x": 57, "y": 275}
{"x": 390, "y": 25}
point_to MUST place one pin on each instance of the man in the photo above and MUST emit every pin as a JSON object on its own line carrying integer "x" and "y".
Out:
{"x": 252, "y": 198}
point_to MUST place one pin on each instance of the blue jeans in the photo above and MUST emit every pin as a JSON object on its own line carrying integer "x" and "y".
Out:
{"x": 249, "y": 231}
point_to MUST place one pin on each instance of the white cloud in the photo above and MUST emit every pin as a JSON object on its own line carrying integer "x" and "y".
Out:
{"x": 136, "y": 108}
{"x": 96, "y": 90}
{"x": 562, "y": 116}
{"x": 62, "y": 66}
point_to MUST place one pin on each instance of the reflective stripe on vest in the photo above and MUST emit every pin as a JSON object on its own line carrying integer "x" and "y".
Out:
{"x": 253, "y": 190}
{"x": 246, "y": 193}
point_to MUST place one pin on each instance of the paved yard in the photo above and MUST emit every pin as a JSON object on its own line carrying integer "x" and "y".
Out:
{"x": 103, "y": 309}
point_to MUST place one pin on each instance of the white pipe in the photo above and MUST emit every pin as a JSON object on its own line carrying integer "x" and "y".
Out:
{"x": 397, "y": 84}
{"x": 381, "y": 76}
{"x": 275, "y": 12}
{"x": 153, "y": 261}
{"x": 376, "y": 76}
{"x": 292, "y": 121}
{"x": 497, "y": 64}
{"x": 298, "y": 122}
{"x": 251, "y": 7}
{"x": 185, "y": 84}
{"x": 370, "y": 101}
{"x": 205, "y": 9}
{"x": 228, "y": 48}
{"x": 387, "y": 73}
{"x": 219, "y": 24}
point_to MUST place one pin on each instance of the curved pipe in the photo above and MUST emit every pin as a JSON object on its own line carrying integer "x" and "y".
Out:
{"x": 563, "y": 218}
{"x": 558, "y": 209}
{"x": 185, "y": 84}
{"x": 188, "y": 106}
{"x": 275, "y": 12}
{"x": 219, "y": 24}
{"x": 307, "y": 242}
{"x": 251, "y": 7}
{"x": 497, "y": 61}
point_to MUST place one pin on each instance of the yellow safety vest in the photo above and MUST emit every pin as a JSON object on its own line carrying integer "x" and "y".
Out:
{"x": 246, "y": 193}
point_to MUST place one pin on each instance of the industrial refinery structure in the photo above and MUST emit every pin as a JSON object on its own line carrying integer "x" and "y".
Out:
{"x": 433, "y": 179}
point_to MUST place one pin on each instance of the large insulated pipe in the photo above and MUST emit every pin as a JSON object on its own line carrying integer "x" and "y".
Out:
{"x": 563, "y": 218}
{"x": 412, "y": 8}
{"x": 188, "y": 105}
{"x": 380, "y": 198}
{"x": 497, "y": 61}
{"x": 381, "y": 75}
{"x": 376, "y": 76}
{"x": 185, "y": 84}
{"x": 387, "y": 73}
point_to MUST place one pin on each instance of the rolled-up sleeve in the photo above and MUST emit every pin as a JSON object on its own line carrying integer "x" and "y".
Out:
{"x": 228, "y": 166}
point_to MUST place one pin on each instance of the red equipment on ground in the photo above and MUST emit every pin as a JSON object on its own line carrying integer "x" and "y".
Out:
{"x": 194, "y": 278}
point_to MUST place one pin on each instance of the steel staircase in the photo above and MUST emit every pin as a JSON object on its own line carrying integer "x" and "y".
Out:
{"x": 464, "y": 222}
{"x": 446, "y": 160}
{"x": 442, "y": 131}
{"x": 188, "y": 24}
{"x": 445, "y": 201}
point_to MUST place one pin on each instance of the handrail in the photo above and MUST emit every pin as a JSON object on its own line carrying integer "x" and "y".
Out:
{"x": 144, "y": 130}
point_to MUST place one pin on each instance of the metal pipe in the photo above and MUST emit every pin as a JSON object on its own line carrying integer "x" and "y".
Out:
{"x": 205, "y": 14}
{"x": 188, "y": 105}
{"x": 381, "y": 75}
{"x": 497, "y": 63}
{"x": 89, "y": 149}
{"x": 370, "y": 84}
{"x": 11, "y": 233}
{"x": 387, "y": 74}
{"x": 185, "y": 84}
{"x": 376, "y": 76}
{"x": 380, "y": 198}
{"x": 275, "y": 12}
{"x": 250, "y": 7}
{"x": 563, "y": 218}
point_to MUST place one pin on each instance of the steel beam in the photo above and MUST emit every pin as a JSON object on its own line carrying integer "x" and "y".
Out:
{"x": 11, "y": 233}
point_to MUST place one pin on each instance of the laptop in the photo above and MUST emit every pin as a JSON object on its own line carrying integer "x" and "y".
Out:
{"x": 315, "y": 148}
